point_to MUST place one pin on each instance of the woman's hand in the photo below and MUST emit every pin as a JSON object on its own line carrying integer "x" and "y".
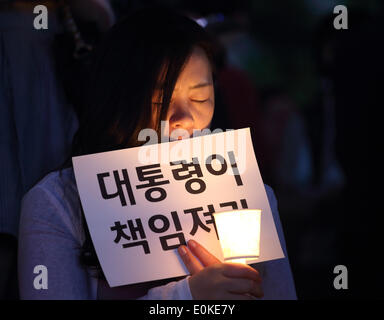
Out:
{"x": 212, "y": 279}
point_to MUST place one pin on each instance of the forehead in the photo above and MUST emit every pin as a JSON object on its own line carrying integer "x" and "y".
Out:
{"x": 196, "y": 69}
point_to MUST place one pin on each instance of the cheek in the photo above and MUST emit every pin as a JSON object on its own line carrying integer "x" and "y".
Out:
{"x": 205, "y": 116}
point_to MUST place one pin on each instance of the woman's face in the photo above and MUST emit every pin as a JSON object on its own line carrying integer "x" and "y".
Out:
{"x": 193, "y": 101}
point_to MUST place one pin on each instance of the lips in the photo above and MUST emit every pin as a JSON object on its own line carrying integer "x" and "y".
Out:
{"x": 171, "y": 139}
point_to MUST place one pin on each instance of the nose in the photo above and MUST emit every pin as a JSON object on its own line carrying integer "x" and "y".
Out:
{"x": 181, "y": 117}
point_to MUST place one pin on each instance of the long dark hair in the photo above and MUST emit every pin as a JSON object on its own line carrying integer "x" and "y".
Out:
{"x": 143, "y": 50}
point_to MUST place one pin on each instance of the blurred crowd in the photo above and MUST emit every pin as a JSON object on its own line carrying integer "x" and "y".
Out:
{"x": 307, "y": 91}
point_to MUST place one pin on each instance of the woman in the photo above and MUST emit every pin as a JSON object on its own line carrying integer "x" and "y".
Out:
{"x": 152, "y": 66}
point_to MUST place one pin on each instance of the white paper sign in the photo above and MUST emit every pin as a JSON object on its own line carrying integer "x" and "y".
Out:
{"x": 140, "y": 205}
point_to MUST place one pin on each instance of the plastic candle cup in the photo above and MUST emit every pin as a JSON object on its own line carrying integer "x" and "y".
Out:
{"x": 239, "y": 234}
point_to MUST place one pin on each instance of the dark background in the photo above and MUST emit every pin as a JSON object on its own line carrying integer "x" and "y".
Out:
{"x": 312, "y": 96}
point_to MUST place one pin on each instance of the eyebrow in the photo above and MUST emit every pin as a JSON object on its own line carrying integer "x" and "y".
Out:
{"x": 201, "y": 85}
{"x": 196, "y": 86}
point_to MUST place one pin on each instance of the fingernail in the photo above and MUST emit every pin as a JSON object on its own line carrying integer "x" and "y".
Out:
{"x": 192, "y": 243}
{"x": 182, "y": 250}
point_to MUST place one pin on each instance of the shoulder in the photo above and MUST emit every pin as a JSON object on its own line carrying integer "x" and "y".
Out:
{"x": 53, "y": 200}
{"x": 273, "y": 204}
{"x": 271, "y": 198}
{"x": 58, "y": 187}
{"x": 269, "y": 191}
{"x": 275, "y": 214}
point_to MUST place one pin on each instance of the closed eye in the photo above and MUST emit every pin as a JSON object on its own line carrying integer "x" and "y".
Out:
{"x": 199, "y": 101}
{"x": 194, "y": 100}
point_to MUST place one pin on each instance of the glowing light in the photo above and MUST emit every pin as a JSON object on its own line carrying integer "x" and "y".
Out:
{"x": 239, "y": 233}
{"x": 202, "y": 22}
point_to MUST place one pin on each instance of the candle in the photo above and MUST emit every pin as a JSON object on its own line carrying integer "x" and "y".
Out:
{"x": 239, "y": 234}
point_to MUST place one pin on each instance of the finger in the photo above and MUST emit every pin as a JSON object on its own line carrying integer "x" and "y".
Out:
{"x": 257, "y": 290}
{"x": 243, "y": 286}
{"x": 193, "y": 265}
{"x": 247, "y": 286}
{"x": 206, "y": 258}
{"x": 239, "y": 270}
